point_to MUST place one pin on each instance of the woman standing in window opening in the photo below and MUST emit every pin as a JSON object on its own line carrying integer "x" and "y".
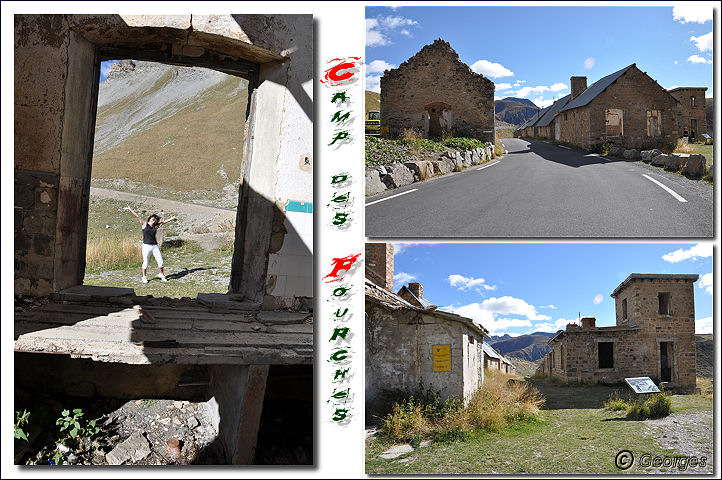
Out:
{"x": 150, "y": 244}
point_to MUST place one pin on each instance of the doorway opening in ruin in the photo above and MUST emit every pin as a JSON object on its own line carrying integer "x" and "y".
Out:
{"x": 614, "y": 120}
{"x": 168, "y": 141}
{"x": 438, "y": 118}
{"x": 665, "y": 361}
{"x": 606, "y": 354}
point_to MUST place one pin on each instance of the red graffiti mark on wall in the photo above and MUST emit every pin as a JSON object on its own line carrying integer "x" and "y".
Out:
{"x": 342, "y": 71}
{"x": 341, "y": 265}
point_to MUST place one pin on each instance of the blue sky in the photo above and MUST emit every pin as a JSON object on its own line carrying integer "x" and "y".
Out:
{"x": 531, "y": 52}
{"x": 520, "y": 288}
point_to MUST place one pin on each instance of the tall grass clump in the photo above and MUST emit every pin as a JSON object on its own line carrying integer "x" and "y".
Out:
{"x": 682, "y": 147}
{"x": 498, "y": 151}
{"x": 656, "y": 405}
{"x": 616, "y": 403}
{"x": 499, "y": 403}
{"x": 112, "y": 252}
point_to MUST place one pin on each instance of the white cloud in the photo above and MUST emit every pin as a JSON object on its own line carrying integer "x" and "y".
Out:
{"x": 497, "y": 97}
{"x": 598, "y": 299}
{"x": 399, "y": 248}
{"x": 373, "y": 69}
{"x": 503, "y": 86}
{"x": 558, "y": 87}
{"x": 560, "y": 324}
{"x": 540, "y": 102}
{"x": 519, "y": 82}
{"x": 378, "y": 29}
{"x": 706, "y": 281}
{"x": 524, "y": 91}
{"x": 676, "y": 62}
{"x": 487, "y": 312}
{"x": 589, "y": 63}
{"x": 467, "y": 283}
{"x": 704, "y": 42}
{"x": 692, "y": 14}
{"x": 550, "y": 306}
{"x": 491, "y": 69}
{"x": 703, "y": 325}
{"x": 402, "y": 278}
{"x": 701, "y": 250}
{"x": 698, "y": 59}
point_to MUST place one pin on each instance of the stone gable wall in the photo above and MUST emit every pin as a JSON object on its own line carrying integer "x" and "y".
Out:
{"x": 436, "y": 74}
{"x": 699, "y": 111}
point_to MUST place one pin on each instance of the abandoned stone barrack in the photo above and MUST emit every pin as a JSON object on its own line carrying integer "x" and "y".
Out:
{"x": 266, "y": 319}
{"x": 433, "y": 92}
{"x": 653, "y": 337}
{"x": 626, "y": 108}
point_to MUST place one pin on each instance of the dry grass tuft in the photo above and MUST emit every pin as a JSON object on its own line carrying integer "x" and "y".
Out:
{"x": 682, "y": 147}
{"x": 105, "y": 252}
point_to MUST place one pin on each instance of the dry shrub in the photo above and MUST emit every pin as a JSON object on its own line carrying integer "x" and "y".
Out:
{"x": 682, "y": 147}
{"x": 105, "y": 252}
{"x": 616, "y": 403}
{"x": 500, "y": 402}
{"x": 411, "y": 134}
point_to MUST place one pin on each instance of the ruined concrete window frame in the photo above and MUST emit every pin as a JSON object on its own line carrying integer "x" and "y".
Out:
{"x": 614, "y": 122}
{"x": 605, "y": 352}
{"x": 654, "y": 123}
{"x": 624, "y": 309}
{"x": 665, "y": 304}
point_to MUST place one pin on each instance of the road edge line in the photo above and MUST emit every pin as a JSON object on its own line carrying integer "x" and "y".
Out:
{"x": 665, "y": 187}
{"x": 392, "y": 196}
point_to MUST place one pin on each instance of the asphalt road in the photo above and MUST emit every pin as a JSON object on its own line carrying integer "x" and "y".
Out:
{"x": 539, "y": 189}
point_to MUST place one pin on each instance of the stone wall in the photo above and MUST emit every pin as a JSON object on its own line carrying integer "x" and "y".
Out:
{"x": 698, "y": 111}
{"x": 574, "y": 127}
{"x": 435, "y": 75}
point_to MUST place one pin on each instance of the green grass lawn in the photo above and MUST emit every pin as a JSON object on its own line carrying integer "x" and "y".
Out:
{"x": 574, "y": 435}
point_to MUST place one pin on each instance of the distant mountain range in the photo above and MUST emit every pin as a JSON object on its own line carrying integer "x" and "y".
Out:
{"x": 514, "y": 110}
{"x": 527, "y": 347}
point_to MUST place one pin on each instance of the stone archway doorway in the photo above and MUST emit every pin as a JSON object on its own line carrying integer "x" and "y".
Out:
{"x": 437, "y": 118}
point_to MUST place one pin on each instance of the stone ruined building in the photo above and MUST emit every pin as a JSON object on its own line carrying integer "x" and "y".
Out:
{"x": 412, "y": 347}
{"x": 626, "y": 107}
{"x": 694, "y": 112}
{"x": 131, "y": 346}
{"x": 433, "y": 92}
{"x": 653, "y": 337}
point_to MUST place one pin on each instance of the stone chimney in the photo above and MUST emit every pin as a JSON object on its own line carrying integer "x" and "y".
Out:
{"x": 588, "y": 322}
{"x": 579, "y": 84}
{"x": 380, "y": 264}
{"x": 417, "y": 289}
{"x": 572, "y": 326}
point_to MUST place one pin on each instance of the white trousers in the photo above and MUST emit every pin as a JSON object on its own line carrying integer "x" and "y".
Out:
{"x": 155, "y": 250}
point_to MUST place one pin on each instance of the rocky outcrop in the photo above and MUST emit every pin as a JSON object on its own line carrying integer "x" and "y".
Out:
{"x": 397, "y": 175}
{"x": 422, "y": 169}
{"x": 374, "y": 184}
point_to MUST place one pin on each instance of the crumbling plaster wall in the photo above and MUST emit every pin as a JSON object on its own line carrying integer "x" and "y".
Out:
{"x": 399, "y": 354}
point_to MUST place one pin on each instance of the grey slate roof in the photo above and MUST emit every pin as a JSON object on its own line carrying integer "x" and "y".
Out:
{"x": 489, "y": 350}
{"x": 548, "y": 116}
{"x": 424, "y": 303}
{"x": 595, "y": 89}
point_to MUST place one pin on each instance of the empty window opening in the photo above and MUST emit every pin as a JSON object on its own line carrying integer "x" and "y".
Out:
{"x": 624, "y": 309}
{"x": 168, "y": 142}
{"x": 614, "y": 120}
{"x": 606, "y": 354}
{"x": 693, "y": 101}
{"x": 654, "y": 123}
{"x": 693, "y": 128}
{"x": 664, "y": 306}
{"x": 665, "y": 361}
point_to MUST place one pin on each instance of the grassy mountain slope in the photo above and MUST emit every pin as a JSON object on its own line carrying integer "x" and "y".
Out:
{"x": 173, "y": 127}
{"x": 514, "y": 110}
{"x": 372, "y": 101}
{"x": 705, "y": 355}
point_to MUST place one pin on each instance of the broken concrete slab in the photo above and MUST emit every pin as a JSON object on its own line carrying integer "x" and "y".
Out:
{"x": 134, "y": 448}
{"x": 396, "y": 451}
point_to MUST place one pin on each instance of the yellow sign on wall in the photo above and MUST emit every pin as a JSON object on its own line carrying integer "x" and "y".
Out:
{"x": 442, "y": 358}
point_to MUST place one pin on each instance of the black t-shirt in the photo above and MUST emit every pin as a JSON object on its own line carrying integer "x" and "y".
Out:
{"x": 149, "y": 235}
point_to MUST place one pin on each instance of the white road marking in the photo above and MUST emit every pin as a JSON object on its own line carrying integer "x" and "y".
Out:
{"x": 506, "y": 151}
{"x": 487, "y": 166}
{"x": 669, "y": 190}
{"x": 392, "y": 196}
{"x": 565, "y": 147}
